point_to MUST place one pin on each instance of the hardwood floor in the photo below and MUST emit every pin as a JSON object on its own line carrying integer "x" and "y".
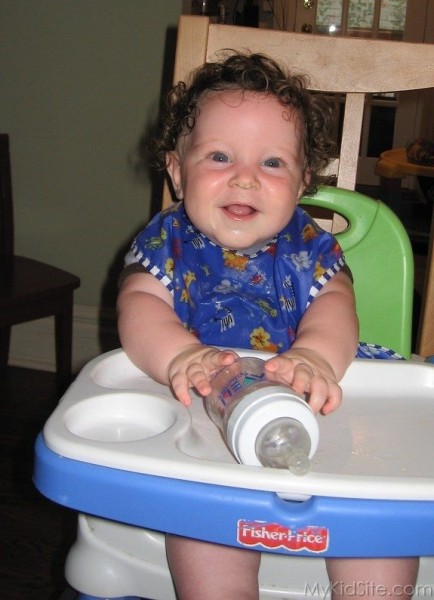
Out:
{"x": 35, "y": 533}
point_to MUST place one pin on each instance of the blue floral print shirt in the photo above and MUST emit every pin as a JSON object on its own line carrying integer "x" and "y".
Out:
{"x": 233, "y": 298}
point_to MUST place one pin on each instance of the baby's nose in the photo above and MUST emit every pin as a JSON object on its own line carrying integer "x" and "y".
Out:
{"x": 245, "y": 178}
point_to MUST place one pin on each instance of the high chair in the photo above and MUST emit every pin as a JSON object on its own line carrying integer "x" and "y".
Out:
{"x": 135, "y": 463}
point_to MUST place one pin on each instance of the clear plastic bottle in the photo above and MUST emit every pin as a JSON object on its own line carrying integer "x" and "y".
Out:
{"x": 263, "y": 422}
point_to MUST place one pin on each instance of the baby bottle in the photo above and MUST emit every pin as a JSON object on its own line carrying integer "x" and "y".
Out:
{"x": 263, "y": 422}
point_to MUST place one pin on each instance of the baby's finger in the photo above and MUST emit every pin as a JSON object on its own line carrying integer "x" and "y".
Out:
{"x": 280, "y": 365}
{"x": 325, "y": 396}
{"x": 281, "y": 370}
{"x": 198, "y": 379}
{"x": 180, "y": 388}
{"x": 199, "y": 373}
{"x": 303, "y": 375}
{"x": 215, "y": 359}
{"x": 318, "y": 393}
{"x": 334, "y": 399}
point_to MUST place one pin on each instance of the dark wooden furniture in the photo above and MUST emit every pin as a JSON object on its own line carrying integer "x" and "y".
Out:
{"x": 30, "y": 289}
{"x": 392, "y": 166}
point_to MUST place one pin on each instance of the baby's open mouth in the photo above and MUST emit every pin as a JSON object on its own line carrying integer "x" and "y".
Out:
{"x": 240, "y": 210}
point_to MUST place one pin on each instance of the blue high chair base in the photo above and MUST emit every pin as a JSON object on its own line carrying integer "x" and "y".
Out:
{"x": 136, "y": 464}
{"x": 237, "y": 517}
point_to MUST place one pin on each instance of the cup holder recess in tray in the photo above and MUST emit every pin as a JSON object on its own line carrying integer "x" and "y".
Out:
{"x": 120, "y": 417}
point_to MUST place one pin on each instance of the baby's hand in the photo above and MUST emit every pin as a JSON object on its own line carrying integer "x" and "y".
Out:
{"x": 307, "y": 372}
{"x": 193, "y": 368}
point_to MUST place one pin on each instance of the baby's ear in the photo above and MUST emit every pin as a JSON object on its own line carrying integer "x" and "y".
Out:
{"x": 173, "y": 166}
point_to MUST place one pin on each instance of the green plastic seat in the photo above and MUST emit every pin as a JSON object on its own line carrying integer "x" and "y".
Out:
{"x": 379, "y": 254}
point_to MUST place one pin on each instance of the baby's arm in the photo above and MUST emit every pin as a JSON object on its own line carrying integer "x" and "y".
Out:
{"x": 156, "y": 341}
{"x": 325, "y": 345}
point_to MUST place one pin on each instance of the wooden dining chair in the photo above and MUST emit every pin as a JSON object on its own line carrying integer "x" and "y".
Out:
{"x": 348, "y": 66}
{"x": 30, "y": 289}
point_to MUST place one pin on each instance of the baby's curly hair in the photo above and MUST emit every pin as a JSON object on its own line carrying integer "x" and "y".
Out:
{"x": 247, "y": 72}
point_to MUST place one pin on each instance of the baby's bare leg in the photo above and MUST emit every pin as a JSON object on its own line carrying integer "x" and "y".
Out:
{"x": 391, "y": 578}
{"x": 204, "y": 571}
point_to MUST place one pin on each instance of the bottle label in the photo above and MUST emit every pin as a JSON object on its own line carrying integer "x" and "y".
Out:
{"x": 272, "y": 536}
{"x": 237, "y": 384}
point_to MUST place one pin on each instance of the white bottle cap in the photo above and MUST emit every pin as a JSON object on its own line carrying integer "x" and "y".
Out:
{"x": 260, "y": 407}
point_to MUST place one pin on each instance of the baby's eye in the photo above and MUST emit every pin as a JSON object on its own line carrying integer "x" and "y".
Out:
{"x": 219, "y": 157}
{"x": 273, "y": 162}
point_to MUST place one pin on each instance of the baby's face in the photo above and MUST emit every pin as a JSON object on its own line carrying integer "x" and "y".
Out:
{"x": 240, "y": 171}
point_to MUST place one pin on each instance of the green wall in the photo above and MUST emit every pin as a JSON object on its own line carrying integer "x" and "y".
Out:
{"x": 79, "y": 82}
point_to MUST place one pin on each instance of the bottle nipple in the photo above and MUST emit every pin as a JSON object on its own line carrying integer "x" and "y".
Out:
{"x": 299, "y": 464}
{"x": 284, "y": 443}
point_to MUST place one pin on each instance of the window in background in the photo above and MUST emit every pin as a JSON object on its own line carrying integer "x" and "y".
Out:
{"x": 362, "y": 18}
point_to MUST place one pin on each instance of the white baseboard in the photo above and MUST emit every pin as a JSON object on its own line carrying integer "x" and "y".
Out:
{"x": 32, "y": 343}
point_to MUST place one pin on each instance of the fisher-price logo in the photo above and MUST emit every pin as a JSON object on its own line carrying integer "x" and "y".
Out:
{"x": 273, "y": 536}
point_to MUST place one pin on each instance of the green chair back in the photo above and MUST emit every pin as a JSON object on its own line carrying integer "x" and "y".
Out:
{"x": 379, "y": 254}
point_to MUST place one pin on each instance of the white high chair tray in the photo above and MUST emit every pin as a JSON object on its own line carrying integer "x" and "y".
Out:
{"x": 377, "y": 445}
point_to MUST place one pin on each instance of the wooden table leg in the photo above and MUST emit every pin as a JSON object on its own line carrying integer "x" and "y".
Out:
{"x": 425, "y": 341}
{"x": 390, "y": 193}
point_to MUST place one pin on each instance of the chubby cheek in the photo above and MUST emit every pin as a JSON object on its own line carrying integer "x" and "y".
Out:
{"x": 201, "y": 200}
{"x": 200, "y": 213}
{"x": 289, "y": 209}
{"x": 285, "y": 203}
{"x": 206, "y": 220}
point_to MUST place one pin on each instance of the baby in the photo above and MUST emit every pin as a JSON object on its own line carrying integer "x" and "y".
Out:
{"x": 238, "y": 263}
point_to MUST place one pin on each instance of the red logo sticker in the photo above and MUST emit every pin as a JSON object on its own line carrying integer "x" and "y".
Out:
{"x": 273, "y": 536}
